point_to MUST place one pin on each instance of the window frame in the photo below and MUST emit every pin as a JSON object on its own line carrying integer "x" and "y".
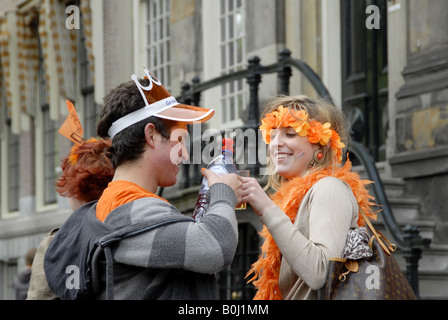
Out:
{"x": 234, "y": 95}
{"x": 158, "y": 40}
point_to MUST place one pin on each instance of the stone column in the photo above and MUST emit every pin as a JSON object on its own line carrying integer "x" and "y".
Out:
{"x": 420, "y": 152}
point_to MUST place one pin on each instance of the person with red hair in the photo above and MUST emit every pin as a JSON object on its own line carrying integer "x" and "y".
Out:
{"x": 86, "y": 172}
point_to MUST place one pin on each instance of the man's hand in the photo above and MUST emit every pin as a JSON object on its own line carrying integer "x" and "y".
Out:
{"x": 233, "y": 180}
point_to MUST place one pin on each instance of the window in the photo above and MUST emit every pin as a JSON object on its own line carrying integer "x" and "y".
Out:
{"x": 158, "y": 50}
{"x": 13, "y": 170}
{"x": 364, "y": 73}
{"x": 91, "y": 109}
{"x": 49, "y": 156}
{"x": 232, "y": 57}
{"x": 8, "y": 272}
{"x": 49, "y": 145}
{"x": 3, "y": 113}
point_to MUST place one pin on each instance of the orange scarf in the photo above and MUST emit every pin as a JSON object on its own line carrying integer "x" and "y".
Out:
{"x": 289, "y": 198}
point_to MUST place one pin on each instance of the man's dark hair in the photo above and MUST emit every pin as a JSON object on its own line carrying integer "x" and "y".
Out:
{"x": 127, "y": 145}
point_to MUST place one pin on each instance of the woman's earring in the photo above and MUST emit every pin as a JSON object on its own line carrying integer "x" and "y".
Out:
{"x": 317, "y": 157}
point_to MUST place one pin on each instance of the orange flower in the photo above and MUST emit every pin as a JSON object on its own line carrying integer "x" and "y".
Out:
{"x": 319, "y": 133}
{"x": 316, "y": 132}
{"x": 337, "y": 145}
{"x": 267, "y": 124}
{"x": 300, "y": 122}
{"x": 326, "y": 134}
{"x": 285, "y": 118}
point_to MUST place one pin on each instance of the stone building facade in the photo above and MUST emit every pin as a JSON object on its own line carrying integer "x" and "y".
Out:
{"x": 394, "y": 76}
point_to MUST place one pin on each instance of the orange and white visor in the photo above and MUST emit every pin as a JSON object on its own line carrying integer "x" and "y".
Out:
{"x": 159, "y": 103}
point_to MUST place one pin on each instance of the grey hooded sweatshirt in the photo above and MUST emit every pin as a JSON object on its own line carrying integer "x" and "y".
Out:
{"x": 174, "y": 261}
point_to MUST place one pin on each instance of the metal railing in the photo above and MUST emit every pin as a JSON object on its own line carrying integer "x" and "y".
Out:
{"x": 408, "y": 240}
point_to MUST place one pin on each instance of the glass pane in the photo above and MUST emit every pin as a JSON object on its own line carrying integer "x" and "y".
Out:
{"x": 167, "y": 27}
{"x": 223, "y": 6}
{"x": 232, "y": 87}
{"x": 168, "y": 51}
{"x": 240, "y": 103}
{"x": 160, "y": 29}
{"x": 224, "y": 110}
{"x": 232, "y": 108}
{"x": 231, "y": 27}
{"x": 239, "y": 51}
{"x": 154, "y": 32}
{"x": 154, "y": 8}
{"x": 148, "y": 11}
{"x": 239, "y": 24}
{"x": 223, "y": 29}
{"x": 223, "y": 57}
{"x": 231, "y": 54}
{"x": 159, "y": 7}
{"x": 162, "y": 54}
{"x": 148, "y": 34}
{"x": 168, "y": 76}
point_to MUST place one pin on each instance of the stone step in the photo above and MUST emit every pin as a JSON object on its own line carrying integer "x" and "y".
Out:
{"x": 404, "y": 208}
{"x": 433, "y": 285}
{"x": 433, "y": 272}
{"x": 433, "y": 265}
{"x": 426, "y": 227}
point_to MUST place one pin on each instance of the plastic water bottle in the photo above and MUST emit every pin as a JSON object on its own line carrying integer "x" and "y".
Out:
{"x": 221, "y": 165}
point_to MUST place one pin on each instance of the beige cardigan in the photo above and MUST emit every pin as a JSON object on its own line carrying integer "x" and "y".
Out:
{"x": 326, "y": 214}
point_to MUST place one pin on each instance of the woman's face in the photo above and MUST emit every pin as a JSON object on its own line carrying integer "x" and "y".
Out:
{"x": 290, "y": 152}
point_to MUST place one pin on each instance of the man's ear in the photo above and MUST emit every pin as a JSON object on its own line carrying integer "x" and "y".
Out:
{"x": 150, "y": 132}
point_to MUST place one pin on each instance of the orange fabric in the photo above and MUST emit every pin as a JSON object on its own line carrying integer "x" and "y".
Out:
{"x": 118, "y": 193}
{"x": 72, "y": 128}
{"x": 288, "y": 198}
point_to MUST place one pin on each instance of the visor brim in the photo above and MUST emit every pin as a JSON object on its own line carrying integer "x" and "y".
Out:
{"x": 186, "y": 113}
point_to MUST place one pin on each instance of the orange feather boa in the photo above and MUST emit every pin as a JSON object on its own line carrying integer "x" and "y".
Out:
{"x": 289, "y": 198}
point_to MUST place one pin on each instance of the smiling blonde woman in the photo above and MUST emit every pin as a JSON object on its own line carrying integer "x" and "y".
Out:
{"x": 316, "y": 201}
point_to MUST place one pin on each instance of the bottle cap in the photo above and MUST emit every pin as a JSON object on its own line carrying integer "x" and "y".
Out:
{"x": 227, "y": 144}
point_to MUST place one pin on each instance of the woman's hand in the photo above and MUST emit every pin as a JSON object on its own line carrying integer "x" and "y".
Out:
{"x": 232, "y": 180}
{"x": 256, "y": 196}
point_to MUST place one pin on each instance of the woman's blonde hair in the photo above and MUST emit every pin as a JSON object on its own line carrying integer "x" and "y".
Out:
{"x": 320, "y": 110}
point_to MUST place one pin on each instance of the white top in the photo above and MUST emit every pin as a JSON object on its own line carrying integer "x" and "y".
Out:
{"x": 326, "y": 214}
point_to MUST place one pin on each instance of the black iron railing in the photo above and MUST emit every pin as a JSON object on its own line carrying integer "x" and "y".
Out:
{"x": 408, "y": 240}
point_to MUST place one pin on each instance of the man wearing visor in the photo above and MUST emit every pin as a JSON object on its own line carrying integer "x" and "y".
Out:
{"x": 179, "y": 260}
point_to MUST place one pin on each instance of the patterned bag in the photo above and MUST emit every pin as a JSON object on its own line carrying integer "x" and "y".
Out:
{"x": 367, "y": 271}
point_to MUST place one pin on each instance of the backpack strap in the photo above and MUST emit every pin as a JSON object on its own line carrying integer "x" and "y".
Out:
{"x": 109, "y": 273}
{"x": 107, "y": 242}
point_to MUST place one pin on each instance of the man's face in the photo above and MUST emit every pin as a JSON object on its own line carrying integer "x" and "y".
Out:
{"x": 170, "y": 154}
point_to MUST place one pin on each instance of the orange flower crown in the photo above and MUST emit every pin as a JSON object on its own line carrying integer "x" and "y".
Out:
{"x": 316, "y": 132}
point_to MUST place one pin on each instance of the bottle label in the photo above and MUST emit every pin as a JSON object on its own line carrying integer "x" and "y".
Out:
{"x": 219, "y": 170}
